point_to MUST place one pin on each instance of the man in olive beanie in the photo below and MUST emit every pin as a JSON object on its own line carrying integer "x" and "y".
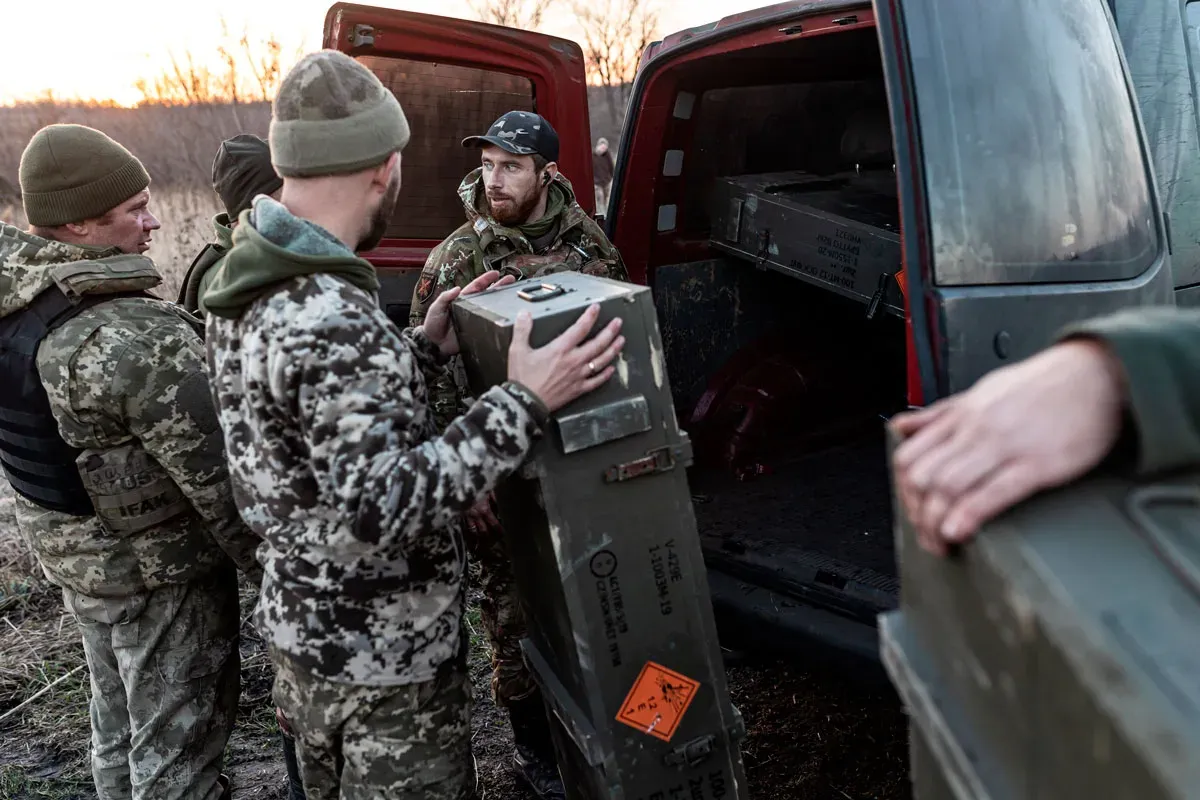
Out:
{"x": 334, "y": 456}
{"x": 241, "y": 171}
{"x": 120, "y": 477}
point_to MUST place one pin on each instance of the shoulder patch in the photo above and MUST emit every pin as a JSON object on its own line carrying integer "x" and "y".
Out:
{"x": 425, "y": 288}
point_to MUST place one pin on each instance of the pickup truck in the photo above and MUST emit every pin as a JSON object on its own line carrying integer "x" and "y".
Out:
{"x": 844, "y": 209}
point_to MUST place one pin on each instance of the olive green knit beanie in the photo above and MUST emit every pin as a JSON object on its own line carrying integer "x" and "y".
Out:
{"x": 332, "y": 116}
{"x": 70, "y": 173}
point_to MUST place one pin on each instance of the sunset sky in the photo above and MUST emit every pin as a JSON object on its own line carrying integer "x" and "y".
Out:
{"x": 97, "y": 49}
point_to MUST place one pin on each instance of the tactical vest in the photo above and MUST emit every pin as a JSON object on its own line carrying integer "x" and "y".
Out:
{"x": 38, "y": 463}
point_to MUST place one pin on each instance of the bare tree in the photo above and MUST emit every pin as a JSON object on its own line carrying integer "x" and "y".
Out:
{"x": 249, "y": 71}
{"x": 614, "y": 33}
{"x": 526, "y": 14}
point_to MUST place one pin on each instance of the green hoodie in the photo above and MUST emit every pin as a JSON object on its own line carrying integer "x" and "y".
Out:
{"x": 270, "y": 246}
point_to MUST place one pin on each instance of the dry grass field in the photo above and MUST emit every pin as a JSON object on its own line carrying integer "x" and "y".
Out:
{"x": 810, "y": 736}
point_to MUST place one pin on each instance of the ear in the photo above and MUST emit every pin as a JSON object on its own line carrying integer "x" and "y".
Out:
{"x": 80, "y": 229}
{"x": 383, "y": 173}
{"x": 552, "y": 170}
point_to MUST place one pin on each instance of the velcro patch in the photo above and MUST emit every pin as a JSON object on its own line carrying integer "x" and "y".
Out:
{"x": 425, "y": 288}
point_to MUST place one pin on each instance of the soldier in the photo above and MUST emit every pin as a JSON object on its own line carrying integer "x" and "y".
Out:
{"x": 334, "y": 456}
{"x": 241, "y": 170}
{"x": 109, "y": 437}
{"x": 523, "y": 220}
{"x": 1121, "y": 387}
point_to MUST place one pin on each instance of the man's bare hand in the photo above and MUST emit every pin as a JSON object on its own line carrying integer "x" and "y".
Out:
{"x": 1021, "y": 429}
{"x": 438, "y": 325}
{"x": 569, "y": 366}
{"x": 482, "y": 518}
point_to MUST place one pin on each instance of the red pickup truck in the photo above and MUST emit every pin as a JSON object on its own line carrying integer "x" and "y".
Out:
{"x": 843, "y": 209}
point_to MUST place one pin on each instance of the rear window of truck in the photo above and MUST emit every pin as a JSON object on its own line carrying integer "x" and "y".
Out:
{"x": 444, "y": 104}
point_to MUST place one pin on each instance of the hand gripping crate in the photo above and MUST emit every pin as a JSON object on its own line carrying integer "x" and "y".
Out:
{"x": 1057, "y": 655}
{"x": 607, "y": 560}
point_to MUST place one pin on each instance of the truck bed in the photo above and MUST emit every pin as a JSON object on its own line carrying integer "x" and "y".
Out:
{"x": 818, "y": 526}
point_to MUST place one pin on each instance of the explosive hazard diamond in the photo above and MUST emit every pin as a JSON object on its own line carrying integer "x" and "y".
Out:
{"x": 657, "y": 701}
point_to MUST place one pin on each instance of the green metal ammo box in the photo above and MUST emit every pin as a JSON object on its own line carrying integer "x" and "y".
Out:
{"x": 607, "y": 560}
{"x": 1057, "y": 655}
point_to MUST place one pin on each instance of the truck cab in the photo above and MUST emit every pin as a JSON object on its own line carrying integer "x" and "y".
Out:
{"x": 844, "y": 209}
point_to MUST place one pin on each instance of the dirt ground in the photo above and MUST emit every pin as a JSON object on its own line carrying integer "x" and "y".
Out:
{"x": 810, "y": 736}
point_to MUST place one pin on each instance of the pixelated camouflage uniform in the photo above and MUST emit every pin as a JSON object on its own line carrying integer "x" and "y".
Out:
{"x": 155, "y": 597}
{"x": 576, "y": 243}
{"x": 336, "y": 463}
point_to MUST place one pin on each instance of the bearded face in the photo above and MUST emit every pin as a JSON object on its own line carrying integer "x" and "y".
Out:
{"x": 512, "y": 186}
{"x": 383, "y": 213}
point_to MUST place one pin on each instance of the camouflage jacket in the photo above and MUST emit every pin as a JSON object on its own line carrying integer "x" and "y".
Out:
{"x": 482, "y": 243}
{"x": 336, "y": 463}
{"x": 126, "y": 381}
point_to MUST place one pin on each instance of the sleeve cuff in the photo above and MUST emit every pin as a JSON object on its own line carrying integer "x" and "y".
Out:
{"x": 429, "y": 352}
{"x": 531, "y": 402}
{"x": 1152, "y": 438}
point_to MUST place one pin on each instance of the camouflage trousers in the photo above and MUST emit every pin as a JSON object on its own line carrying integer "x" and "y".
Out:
{"x": 410, "y": 742}
{"x": 503, "y": 617}
{"x": 165, "y": 675}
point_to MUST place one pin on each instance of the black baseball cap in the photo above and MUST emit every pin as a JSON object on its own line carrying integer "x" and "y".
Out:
{"x": 522, "y": 133}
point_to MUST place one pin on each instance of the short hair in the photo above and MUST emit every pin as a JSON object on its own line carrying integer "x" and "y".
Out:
{"x": 539, "y": 162}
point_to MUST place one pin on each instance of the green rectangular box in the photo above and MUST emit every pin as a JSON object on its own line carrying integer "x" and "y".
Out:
{"x": 603, "y": 539}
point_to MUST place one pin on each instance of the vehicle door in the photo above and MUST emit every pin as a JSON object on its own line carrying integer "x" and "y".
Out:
{"x": 1028, "y": 197}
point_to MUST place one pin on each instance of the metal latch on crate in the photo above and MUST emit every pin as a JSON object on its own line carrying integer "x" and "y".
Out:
{"x": 689, "y": 754}
{"x": 660, "y": 459}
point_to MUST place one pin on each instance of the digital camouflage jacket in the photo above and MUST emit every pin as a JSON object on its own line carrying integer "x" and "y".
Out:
{"x": 336, "y": 463}
{"x": 126, "y": 384}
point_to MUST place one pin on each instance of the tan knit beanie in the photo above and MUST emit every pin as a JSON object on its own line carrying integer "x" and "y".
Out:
{"x": 332, "y": 116}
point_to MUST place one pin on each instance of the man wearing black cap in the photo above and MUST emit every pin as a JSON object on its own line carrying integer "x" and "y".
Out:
{"x": 523, "y": 220}
{"x": 241, "y": 171}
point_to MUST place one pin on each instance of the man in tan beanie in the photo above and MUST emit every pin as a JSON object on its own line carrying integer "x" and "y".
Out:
{"x": 109, "y": 437}
{"x": 335, "y": 458}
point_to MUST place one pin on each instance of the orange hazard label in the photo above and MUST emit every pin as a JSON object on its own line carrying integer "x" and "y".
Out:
{"x": 657, "y": 701}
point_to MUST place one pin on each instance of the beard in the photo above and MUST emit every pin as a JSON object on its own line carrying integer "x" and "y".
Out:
{"x": 513, "y": 210}
{"x": 383, "y": 215}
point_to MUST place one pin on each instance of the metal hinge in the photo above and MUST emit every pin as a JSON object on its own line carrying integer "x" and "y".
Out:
{"x": 880, "y": 293}
{"x": 689, "y": 754}
{"x": 363, "y": 36}
{"x": 660, "y": 459}
{"x": 764, "y": 248}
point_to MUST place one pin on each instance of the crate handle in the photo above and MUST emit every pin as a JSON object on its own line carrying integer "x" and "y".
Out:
{"x": 543, "y": 292}
{"x": 1176, "y": 556}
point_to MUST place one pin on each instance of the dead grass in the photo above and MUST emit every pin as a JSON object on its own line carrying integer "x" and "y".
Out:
{"x": 46, "y": 740}
{"x": 44, "y": 745}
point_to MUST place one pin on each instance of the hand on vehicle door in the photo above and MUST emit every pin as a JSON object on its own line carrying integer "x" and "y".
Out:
{"x": 438, "y": 325}
{"x": 1032, "y": 426}
{"x": 568, "y": 367}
